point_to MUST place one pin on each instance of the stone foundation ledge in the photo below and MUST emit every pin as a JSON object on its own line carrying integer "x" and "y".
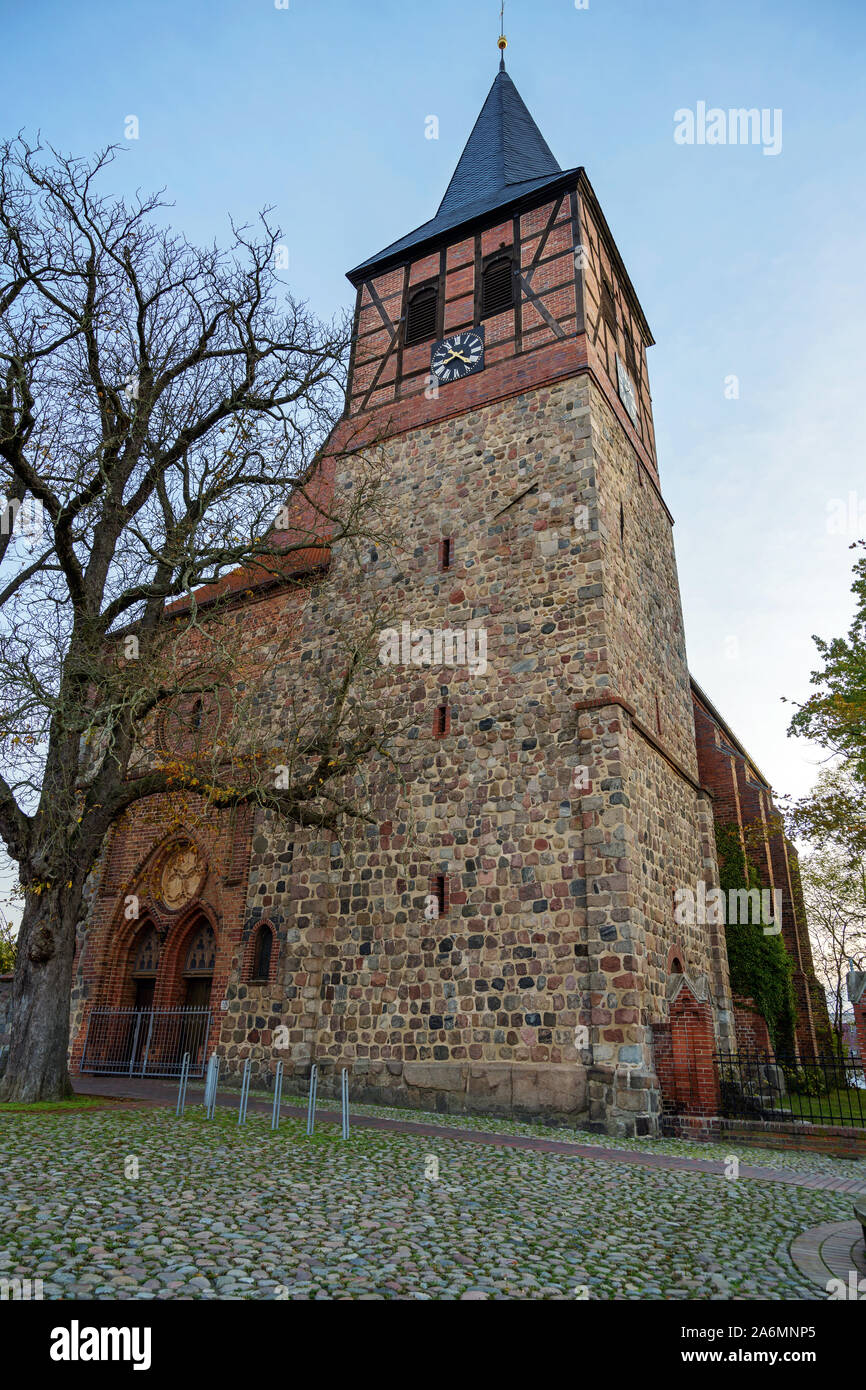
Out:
{"x": 621, "y": 1101}
{"x": 556, "y": 1093}
{"x": 506, "y": 1089}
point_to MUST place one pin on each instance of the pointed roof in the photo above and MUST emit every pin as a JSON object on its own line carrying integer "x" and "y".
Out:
{"x": 505, "y": 149}
{"x": 505, "y": 157}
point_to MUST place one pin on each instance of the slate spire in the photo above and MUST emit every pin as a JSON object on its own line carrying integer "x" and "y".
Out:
{"x": 505, "y": 149}
{"x": 505, "y": 157}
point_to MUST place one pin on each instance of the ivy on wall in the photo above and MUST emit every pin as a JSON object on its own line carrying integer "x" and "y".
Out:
{"x": 760, "y": 966}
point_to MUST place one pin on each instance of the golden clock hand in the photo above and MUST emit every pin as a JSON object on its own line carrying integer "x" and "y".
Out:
{"x": 458, "y": 354}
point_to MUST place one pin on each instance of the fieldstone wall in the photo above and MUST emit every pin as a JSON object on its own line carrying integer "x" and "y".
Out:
{"x": 558, "y": 830}
{"x": 670, "y": 837}
{"x": 647, "y": 822}
{"x": 481, "y": 1004}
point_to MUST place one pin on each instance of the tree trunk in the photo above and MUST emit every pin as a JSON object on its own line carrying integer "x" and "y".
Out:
{"x": 36, "y": 1067}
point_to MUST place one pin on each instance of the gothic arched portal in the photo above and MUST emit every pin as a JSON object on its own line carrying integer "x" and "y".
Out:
{"x": 199, "y": 964}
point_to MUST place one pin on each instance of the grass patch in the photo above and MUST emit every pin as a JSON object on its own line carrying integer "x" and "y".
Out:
{"x": 841, "y": 1106}
{"x": 42, "y": 1107}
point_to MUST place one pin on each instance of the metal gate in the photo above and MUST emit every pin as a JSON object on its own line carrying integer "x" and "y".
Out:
{"x": 146, "y": 1042}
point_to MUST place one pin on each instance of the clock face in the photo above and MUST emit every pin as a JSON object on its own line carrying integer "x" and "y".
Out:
{"x": 458, "y": 356}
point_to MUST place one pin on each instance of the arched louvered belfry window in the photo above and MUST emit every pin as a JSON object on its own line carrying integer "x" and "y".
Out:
{"x": 422, "y": 315}
{"x": 262, "y": 948}
{"x": 497, "y": 286}
{"x": 608, "y": 305}
{"x": 630, "y": 358}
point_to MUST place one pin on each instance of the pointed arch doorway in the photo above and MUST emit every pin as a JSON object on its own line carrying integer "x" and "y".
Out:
{"x": 199, "y": 963}
{"x": 145, "y": 961}
{"x": 142, "y": 985}
{"x": 164, "y": 1003}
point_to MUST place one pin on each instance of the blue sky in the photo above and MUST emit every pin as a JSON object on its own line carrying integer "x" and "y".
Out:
{"x": 745, "y": 264}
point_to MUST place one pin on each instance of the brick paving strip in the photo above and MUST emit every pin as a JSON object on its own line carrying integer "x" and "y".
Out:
{"x": 164, "y": 1092}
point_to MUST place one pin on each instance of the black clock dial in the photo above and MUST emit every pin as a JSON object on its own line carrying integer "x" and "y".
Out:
{"x": 458, "y": 356}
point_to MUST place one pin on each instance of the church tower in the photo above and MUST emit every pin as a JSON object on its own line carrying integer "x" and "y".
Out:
{"x": 501, "y": 934}
{"x": 556, "y": 806}
{"x": 504, "y": 932}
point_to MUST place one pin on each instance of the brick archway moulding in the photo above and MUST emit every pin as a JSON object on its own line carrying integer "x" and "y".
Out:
{"x": 122, "y": 930}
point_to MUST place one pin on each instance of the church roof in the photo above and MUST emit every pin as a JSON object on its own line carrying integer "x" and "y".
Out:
{"x": 505, "y": 158}
{"x": 703, "y": 697}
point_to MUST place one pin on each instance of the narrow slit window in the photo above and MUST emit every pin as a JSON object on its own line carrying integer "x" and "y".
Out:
{"x": 442, "y": 721}
{"x": 440, "y": 893}
{"x": 446, "y": 552}
{"x": 262, "y": 953}
{"x": 621, "y": 524}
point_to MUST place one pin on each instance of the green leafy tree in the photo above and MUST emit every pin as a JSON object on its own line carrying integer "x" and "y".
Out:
{"x": 7, "y": 947}
{"x": 835, "y": 714}
{"x": 833, "y": 815}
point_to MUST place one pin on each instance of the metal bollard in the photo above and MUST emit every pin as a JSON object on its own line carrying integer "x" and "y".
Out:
{"x": 278, "y": 1095}
{"x": 344, "y": 1096}
{"x": 210, "y": 1094}
{"x": 181, "y": 1090}
{"x": 245, "y": 1092}
{"x": 208, "y": 1081}
{"x": 311, "y": 1103}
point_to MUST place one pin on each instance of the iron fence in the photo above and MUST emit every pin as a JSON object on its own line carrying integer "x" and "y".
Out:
{"x": 787, "y": 1090}
{"x": 146, "y": 1042}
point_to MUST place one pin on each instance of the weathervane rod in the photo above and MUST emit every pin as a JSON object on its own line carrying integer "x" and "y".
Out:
{"x": 503, "y": 42}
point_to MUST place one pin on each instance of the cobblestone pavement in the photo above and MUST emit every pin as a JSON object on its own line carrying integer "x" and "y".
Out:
{"x": 816, "y": 1169}
{"x": 218, "y": 1211}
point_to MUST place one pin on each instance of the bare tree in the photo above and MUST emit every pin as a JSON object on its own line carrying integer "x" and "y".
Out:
{"x": 159, "y": 405}
{"x": 835, "y": 897}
